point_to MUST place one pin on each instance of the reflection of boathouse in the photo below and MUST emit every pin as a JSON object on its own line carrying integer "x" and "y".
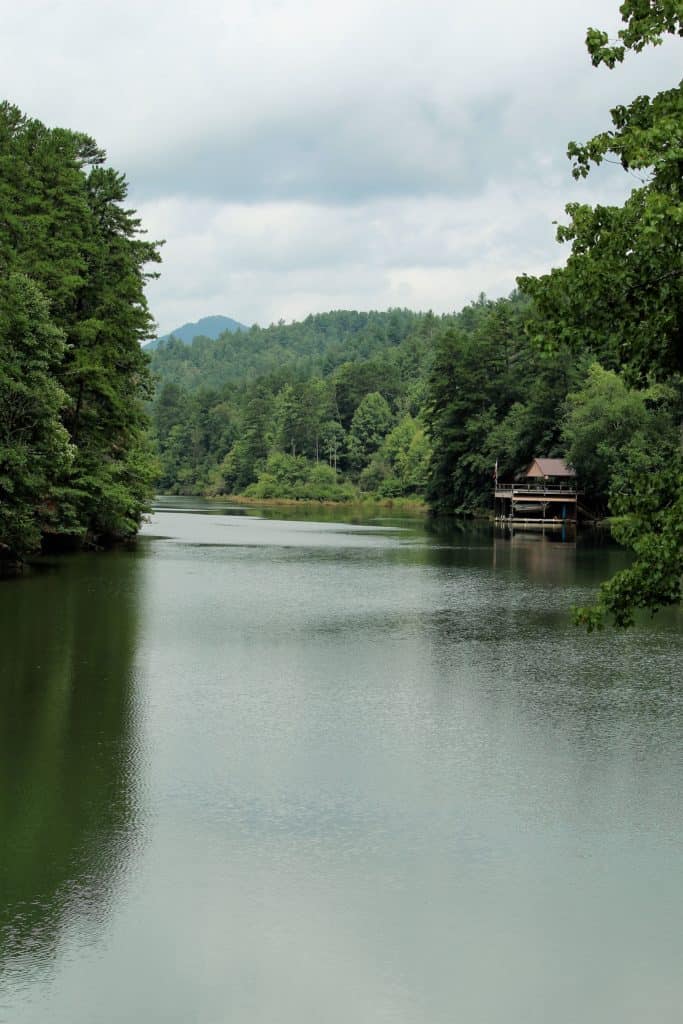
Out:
{"x": 544, "y": 495}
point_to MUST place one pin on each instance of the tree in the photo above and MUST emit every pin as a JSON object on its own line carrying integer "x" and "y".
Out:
{"x": 300, "y": 410}
{"x": 63, "y": 223}
{"x": 106, "y": 372}
{"x": 621, "y": 295}
{"x": 401, "y": 465}
{"x": 621, "y": 292}
{"x": 332, "y": 436}
{"x": 532, "y": 425}
{"x": 293, "y": 476}
{"x": 480, "y": 368}
{"x": 370, "y": 423}
{"x": 34, "y": 446}
{"x": 609, "y": 427}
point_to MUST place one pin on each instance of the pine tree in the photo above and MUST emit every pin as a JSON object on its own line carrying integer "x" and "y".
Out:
{"x": 64, "y": 226}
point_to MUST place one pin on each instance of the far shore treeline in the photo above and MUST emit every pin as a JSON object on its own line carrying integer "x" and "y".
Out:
{"x": 585, "y": 362}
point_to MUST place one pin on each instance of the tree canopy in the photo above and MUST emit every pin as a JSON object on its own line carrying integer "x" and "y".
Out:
{"x": 73, "y": 316}
{"x": 620, "y": 296}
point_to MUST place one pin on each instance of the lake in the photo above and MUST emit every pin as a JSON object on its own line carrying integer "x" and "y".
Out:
{"x": 262, "y": 768}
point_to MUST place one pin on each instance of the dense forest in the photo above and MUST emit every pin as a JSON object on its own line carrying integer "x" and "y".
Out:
{"x": 385, "y": 405}
{"x": 585, "y": 362}
{"x": 75, "y": 461}
{"x": 348, "y": 405}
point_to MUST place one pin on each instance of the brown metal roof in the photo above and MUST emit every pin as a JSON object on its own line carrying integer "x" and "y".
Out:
{"x": 550, "y": 467}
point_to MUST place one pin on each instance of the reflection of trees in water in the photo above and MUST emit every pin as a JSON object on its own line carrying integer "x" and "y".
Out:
{"x": 67, "y": 747}
{"x": 547, "y": 557}
{"x": 558, "y": 557}
{"x": 454, "y": 528}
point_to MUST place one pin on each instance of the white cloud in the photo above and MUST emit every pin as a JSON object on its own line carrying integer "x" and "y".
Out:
{"x": 298, "y": 154}
{"x": 286, "y": 259}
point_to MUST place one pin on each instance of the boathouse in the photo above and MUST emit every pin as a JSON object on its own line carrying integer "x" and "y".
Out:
{"x": 544, "y": 495}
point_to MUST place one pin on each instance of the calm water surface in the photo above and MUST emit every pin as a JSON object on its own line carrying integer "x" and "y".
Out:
{"x": 278, "y": 770}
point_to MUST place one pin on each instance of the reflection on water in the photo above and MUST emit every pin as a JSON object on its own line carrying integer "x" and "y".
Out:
{"x": 379, "y": 777}
{"x": 67, "y": 750}
{"x": 557, "y": 558}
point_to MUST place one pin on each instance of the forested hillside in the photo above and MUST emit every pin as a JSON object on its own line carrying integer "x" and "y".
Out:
{"x": 75, "y": 461}
{"x": 315, "y": 346}
{"x": 397, "y": 405}
{"x": 298, "y": 410}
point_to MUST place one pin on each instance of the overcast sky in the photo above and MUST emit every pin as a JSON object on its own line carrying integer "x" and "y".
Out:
{"x": 306, "y": 155}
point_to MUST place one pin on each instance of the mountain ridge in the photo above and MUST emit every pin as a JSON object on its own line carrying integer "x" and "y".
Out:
{"x": 206, "y": 327}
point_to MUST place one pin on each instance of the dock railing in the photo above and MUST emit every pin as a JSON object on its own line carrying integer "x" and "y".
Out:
{"x": 536, "y": 490}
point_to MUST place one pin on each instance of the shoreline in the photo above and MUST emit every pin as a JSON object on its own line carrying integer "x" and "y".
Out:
{"x": 396, "y": 504}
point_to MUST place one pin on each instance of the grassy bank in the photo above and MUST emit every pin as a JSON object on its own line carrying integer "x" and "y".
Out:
{"x": 413, "y": 506}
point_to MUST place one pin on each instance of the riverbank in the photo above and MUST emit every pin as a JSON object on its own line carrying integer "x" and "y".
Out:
{"x": 409, "y": 505}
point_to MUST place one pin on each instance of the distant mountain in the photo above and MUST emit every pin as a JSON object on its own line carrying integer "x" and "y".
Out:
{"x": 208, "y": 327}
{"x": 313, "y": 347}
